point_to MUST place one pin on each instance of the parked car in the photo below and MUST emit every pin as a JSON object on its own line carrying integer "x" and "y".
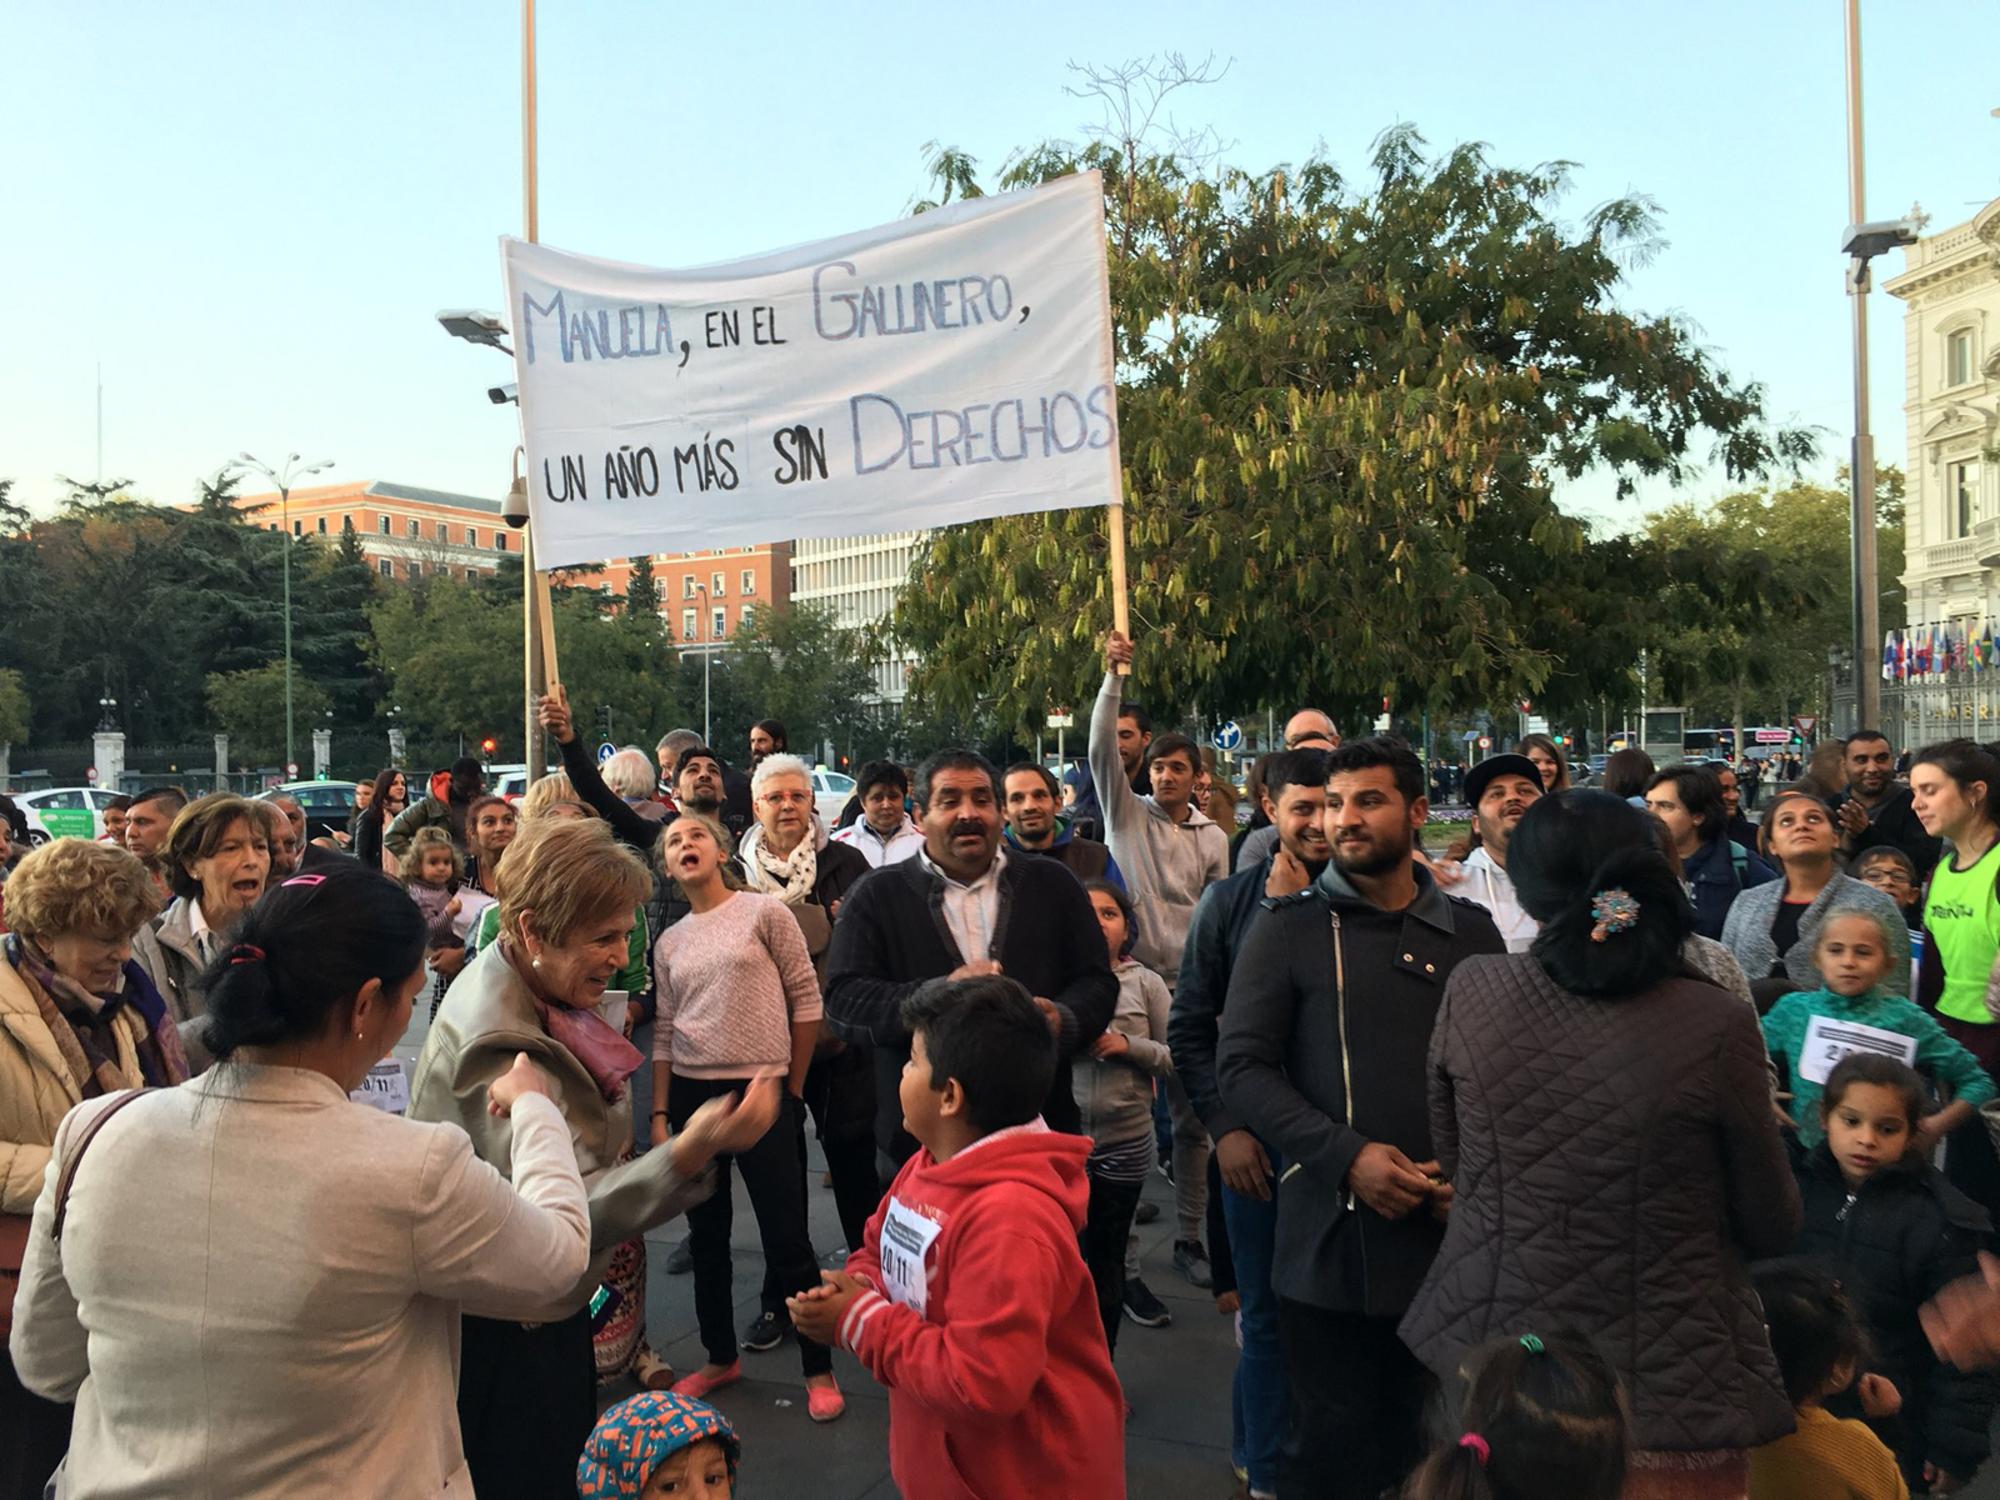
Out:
{"x": 327, "y": 805}
{"x": 64, "y": 812}
{"x": 830, "y": 793}
{"x": 510, "y": 781}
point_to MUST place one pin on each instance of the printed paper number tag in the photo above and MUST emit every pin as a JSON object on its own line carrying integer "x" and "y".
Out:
{"x": 906, "y": 1241}
{"x": 1829, "y": 1039}
{"x": 387, "y": 1087}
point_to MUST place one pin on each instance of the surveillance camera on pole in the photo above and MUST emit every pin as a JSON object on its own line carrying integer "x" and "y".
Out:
{"x": 501, "y": 395}
{"x": 1866, "y": 241}
{"x": 514, "y": 509}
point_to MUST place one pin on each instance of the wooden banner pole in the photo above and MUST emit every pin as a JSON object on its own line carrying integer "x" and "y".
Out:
{"x": 1121, "y": 615}
{"x": 545, "y": 617}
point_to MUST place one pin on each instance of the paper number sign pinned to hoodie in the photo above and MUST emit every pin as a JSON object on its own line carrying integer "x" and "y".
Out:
{"x": 906, "y": 1241}
{"x": 1828, "y": 1040}
{"x": 387, "y": 1088}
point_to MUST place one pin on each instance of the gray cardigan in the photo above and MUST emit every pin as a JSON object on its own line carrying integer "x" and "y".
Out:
{"x": 1747, "y": 933}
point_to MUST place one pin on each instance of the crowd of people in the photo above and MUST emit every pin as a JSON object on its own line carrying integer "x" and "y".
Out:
{"x": 1643, "y": 1144}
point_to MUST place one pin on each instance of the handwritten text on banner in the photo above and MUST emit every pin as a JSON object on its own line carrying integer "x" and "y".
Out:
{"x": 943, "y": 368}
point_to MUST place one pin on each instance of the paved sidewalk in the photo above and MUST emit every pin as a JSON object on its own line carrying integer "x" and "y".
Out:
{"x": 1176, "y": 1447}
{"x": 1177, "y": 1378}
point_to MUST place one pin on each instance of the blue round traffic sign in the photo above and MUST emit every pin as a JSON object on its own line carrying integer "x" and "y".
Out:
{"x": 605, "y": 751}
{"x": 1229, "y": 736}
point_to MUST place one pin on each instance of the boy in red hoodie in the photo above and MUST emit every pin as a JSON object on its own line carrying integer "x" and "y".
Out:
{"x": 968, "y": 1298}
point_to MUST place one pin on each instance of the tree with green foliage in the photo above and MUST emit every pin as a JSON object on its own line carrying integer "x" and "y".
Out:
{"x": 1343, "y": 409}
{"x": 642, "y": 590}
{"x": 249, "y": 706}
{"x": 14, "y": 715}
{"x": 1762, "y": 592}
{"x": 800, "y": 666}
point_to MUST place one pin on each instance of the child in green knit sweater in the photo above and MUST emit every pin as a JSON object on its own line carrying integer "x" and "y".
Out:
{"x": 1811, "y": 1030}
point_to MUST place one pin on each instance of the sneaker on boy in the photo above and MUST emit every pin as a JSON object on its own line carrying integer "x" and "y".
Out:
{"x": 978, "y": 1236}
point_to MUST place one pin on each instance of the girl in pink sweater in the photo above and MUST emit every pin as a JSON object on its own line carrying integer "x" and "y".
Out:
{"x": 738, "y": 1001}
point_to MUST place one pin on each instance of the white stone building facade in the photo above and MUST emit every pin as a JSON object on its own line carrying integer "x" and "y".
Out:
{"x": 860, "y": 576}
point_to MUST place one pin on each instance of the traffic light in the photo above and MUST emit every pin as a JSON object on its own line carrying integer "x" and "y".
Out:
{"x": 488, "y": 745}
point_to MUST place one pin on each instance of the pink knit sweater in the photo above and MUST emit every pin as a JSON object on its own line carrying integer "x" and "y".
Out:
{"x": 731, "y": 982}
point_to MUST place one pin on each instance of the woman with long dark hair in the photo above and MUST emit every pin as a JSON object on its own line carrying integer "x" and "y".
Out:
{"x": 392, "y": 795}
{"x": 1606, "y": 1123}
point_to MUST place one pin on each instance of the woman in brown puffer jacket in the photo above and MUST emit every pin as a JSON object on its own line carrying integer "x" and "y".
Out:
{"x": 1605, "y": 1122}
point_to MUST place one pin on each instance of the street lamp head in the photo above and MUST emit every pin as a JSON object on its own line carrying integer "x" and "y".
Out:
{"x": 1866, "y": 241}
{"x": 474, "y": 327}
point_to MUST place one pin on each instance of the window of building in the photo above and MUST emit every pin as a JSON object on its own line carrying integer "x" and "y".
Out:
{"x": 1961, "y": 496}
{"x": 687, "y": 585}
{"x": 322, "y": 525}
{"x": 744, "y": 617}
{"x": 471, "y": 540}
{"x": 346, "y": 524}
{"x": 499, "y": 541}
{"x": 687, "y": 624}
{"x": 444, "y": 531}
{"x": 749, "y": 581}
{"x": 1958, "y": 358}
{"x": 298, "y": 528}
{"x": 385, "y": 525}
{"x": 718, "y": 586}
{"x": 416, "y": 570}
{"x": 386, "y": 568}
{"x": 718, "y": 624}
{"x": 416, "y": 529}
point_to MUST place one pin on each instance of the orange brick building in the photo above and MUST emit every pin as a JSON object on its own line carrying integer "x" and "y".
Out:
{"x": 410, "y": 533}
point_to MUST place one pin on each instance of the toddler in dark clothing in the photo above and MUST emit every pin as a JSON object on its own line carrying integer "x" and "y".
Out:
{"x": 1896, "y": 1232}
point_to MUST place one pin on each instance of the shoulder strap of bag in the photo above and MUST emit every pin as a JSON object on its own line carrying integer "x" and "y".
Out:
{"x": 75, "y": 1159}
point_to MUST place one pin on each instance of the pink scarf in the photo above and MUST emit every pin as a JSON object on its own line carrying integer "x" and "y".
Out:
{"x": 605, "y": 1055}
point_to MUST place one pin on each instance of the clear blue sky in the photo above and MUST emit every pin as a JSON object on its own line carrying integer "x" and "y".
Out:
{"x": 251, "y": 212}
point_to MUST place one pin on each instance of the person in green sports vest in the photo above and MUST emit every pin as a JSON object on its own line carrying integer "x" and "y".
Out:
{"x": 1955, "y": 789}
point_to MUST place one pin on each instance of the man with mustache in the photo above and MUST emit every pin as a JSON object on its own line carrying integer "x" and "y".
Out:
{"x": 1877, "y": 810}
{"x": 1500, "y": 789}
{"x": 1323, "y": 1054}
{"x": 962, "y": 907}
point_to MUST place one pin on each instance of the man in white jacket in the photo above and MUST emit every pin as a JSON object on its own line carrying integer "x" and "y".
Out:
{"x": 1499, "y": 789}
{"x": 1170, "y": 852}
{"x": 885, "y": 833}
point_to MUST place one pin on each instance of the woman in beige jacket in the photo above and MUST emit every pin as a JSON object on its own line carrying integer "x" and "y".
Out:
{"x": 527, "y": 1394}
{"x": 258, "y": 1286}
{"x": 78, "y": 1019}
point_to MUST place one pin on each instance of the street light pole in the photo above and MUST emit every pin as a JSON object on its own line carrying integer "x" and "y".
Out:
{"x": 283, "y": 479}
{"x": 707, "y": 656}
{"x": 1861, "y": 466}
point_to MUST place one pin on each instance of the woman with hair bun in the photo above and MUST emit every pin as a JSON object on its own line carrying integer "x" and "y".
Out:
{"x": 1605, "y": 1120}
{"x": 258, "y": 1283}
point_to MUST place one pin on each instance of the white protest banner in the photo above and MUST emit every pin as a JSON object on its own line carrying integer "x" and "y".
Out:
{"x": 944, "y": 368}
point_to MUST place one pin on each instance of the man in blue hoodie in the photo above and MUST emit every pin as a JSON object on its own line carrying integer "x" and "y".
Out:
{"x": 1035, "y": 824}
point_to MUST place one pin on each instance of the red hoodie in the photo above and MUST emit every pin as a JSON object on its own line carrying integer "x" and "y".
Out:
{"x": 983, "y": 1325}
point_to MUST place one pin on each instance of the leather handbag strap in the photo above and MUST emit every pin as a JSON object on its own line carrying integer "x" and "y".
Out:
{"x": 68, "y": 1179}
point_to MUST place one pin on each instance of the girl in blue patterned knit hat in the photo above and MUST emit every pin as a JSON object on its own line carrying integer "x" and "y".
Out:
{"x": 659, "y": 1444}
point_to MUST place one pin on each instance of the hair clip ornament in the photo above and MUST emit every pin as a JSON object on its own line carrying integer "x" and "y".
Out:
{"x": 1614, "y": 911}
{"x": 1481, "y": 1450}
{"x": 245, "y": 953}
{"x": 302, "y": 880}
{"x": 1533, "y": 1344}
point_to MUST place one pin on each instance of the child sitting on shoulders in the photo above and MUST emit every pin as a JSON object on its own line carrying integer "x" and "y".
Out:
{"x": 1811, "y": 1030}
{"x": 1539, "y": 1420}
{"x": 969, "y": 1299}
{"x": 1821, "y": 1347}
{"x": 656, "y": 1445}
{"x": 1896, "y": 1233}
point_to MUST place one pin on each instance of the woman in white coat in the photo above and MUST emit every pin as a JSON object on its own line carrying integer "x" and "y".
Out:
{"x": 258, "y": 1285}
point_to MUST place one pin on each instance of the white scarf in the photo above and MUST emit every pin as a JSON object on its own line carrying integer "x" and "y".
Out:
{"x": 790, "y": 879}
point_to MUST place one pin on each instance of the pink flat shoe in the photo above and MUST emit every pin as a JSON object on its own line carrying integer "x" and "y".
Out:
{"x": 697, "y": 1386}
{"x": 825, "y": 1403}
